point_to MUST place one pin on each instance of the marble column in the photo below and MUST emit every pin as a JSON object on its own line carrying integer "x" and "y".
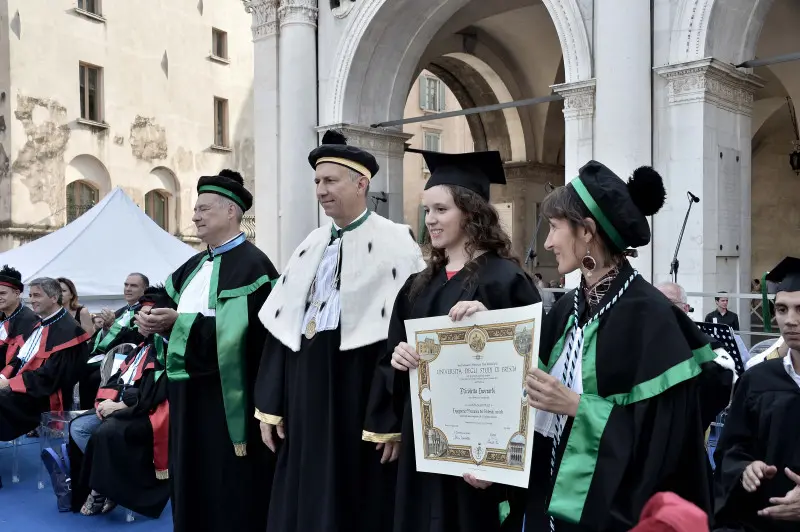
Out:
{"x": 388, "y": 147}
{"x": 703, "y": 144}
{"x": 579, "y": 124}
{"x": 623, "y": 120}
{"x": 265, "y": 114}
{"x": 297, "y": 120}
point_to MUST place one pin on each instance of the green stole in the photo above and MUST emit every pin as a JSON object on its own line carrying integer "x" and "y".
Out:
{"x": 232, "y": 320}
{"x": 101, "y": 344}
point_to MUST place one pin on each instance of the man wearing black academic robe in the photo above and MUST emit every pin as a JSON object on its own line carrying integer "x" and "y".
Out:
{"x": 639, "y": 427}
{"x": 220, "y": 469}
{"x": 763, "y": 425}
{"x": 440, "y": 503}
{"x": 14, "y": 330}
{"x": 126, "y": 458}
{"x": 44, "y": 382}
{"x": 317, "y": 370}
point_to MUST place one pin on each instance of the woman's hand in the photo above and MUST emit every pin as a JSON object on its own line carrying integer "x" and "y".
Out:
{"x": 404, "y": 357}
{"x": 465, "y": 309}
{"x": 475, "y": 483}
{"x": 547, "y": 393}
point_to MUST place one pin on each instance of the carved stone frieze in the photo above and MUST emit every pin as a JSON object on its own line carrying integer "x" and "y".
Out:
{"x": 265, "y": 17}
{"x": 579, "y": 98}
{"x": 298, "y": 12}
{"x": 711, "y": 81}
{"x": 378, "y": 141}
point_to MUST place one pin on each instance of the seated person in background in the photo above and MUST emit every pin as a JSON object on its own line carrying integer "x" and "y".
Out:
{"x": 124, "y": 439}
{"x": 17, "y": 321}
{"x": 757, "y": 480}
{"x": 118, "y": 329}
{"x": 41, "y": 375}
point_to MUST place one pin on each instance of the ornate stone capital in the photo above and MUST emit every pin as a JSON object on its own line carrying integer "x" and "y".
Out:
{"x": 342, "y": 8}
{"x": 712, "y": 81}
{"x": 298, "y": 12}
{"x": 388, "y": 142}
{"x": 265, "y": 17}
{"x": 578, "y": 98}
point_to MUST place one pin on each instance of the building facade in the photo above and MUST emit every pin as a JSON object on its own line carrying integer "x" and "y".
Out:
{"x": 97, "y": 94}
{"x": 641, "y": 83}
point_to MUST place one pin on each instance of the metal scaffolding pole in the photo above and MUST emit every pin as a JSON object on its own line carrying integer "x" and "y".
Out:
{"x": 785, "y": 58}
{"x": 471, "y": 111}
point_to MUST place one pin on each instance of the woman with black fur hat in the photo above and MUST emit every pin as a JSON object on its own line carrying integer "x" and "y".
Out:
{"x": 616, "y": 393}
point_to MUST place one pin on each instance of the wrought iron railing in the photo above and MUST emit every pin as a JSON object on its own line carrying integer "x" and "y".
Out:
{"x": 77, "y": 210}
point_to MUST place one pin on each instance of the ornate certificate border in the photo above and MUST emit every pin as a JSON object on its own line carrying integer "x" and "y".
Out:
{"x": 429, "y": 345}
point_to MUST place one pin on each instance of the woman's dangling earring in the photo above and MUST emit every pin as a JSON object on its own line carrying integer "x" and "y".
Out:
{"x": 588, "y": 263}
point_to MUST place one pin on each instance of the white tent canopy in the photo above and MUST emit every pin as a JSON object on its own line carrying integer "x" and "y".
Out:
{"x": 98, "y": 250}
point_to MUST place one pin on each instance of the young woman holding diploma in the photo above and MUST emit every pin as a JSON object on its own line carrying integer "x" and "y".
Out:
{"x": 470, "y": 269}
{"x": 616, "y": 392}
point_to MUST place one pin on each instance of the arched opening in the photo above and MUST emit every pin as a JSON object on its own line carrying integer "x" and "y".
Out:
{"x": 88, "y": 182}
{"x": 484, "y": 55}
{"x": 162, "y": 199}
{"x": 81, "y": 196}
{"x": 156, "y": 206}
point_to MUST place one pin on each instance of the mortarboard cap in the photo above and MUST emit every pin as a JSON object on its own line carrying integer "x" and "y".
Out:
{"x": 228, "y": 184}
{"x": 620, "y": 208}
{"x": 474, "y": 171}
{"x": 334, "y": 149}
{"x": 786, "y": 274}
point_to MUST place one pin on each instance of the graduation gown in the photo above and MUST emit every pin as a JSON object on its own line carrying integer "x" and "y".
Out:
{"x": 639, "y": 428}
{"x": 14, "y": 330}
{"x": 221, "y": 472}
{"x": 43, "y": 383}
{"x": 427, "y": 502}
{"x": 762, "y": 424}
{"x": 122, "y": 331}
{"x": 127, "y": 456}
{"x": 327, "y": 478}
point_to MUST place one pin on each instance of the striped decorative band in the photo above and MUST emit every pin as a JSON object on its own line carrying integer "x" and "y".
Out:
{"x": 352, "y": 165}
{"x": 213, "y": 189}
{"x": 594, "y": 209}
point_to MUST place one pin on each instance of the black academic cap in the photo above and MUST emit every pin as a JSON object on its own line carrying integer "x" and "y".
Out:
{"x": 619, "y": 208}
{"x": 474, "y": 171}
{"x": 786, "y": 274}
{"x": 11, "y": 278}
{"x": 334, "y": 149}
{"x": 156, "y": 296}
{"x": 228, "y": 184}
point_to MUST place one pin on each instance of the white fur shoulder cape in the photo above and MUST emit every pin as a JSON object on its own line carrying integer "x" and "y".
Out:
{"x": 377, "y": 258}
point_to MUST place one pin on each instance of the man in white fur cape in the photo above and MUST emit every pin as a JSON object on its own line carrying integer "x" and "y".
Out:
{"x": 328, "y": 318}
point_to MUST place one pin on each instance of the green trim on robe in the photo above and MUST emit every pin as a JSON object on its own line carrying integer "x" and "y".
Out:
{"x": 161, "y": 355}
{"x": 231, "y": 323}
{"x": 577, "y": 466}
{"x": 113, "y": 332}
{"x": 576, "y": 471}
{"x": 555, "y": 354}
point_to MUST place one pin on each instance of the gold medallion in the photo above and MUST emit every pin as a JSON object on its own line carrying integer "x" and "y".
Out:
{"x": 311, "y": 328}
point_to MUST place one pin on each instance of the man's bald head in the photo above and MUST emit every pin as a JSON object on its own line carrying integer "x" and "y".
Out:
{"x": 676, "y": 294}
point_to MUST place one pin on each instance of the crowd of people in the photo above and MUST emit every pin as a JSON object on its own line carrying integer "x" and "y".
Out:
{"x": 258, "y": 401}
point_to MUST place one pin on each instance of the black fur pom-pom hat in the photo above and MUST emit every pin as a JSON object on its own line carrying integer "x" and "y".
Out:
{"x": 620, "y": 208}
{"x": 229, "y": 184}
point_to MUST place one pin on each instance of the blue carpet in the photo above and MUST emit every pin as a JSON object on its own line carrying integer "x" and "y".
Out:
{"x": 24, "y": 508}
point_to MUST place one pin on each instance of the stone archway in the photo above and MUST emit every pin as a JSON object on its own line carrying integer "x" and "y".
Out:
{"x": 384, "y": 41}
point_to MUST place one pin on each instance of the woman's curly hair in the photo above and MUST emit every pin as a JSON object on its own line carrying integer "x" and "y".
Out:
{"x": 481, "y": 223}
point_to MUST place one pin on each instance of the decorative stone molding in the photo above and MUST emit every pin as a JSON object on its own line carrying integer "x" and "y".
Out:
{"x": 712, "y": 81}
{"x": 298, "y": 12}
{"x": 534, "y": 172}
{"x": 343, "y": 9}
{"x": 572, "y": 35}
{"x": 265, "y": 17}
{"x": 578, "y": 98}
{"x": 390, "y": 142}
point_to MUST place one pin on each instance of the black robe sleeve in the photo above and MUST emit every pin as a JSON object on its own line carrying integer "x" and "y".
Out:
{"x": 269, "y": 393}
{"x": 384, "y": 414}
{"x": 736, "y": 450}
{"x": 59, "y": 372}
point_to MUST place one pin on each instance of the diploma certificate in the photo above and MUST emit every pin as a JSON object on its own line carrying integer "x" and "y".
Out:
{"x": 468, "y": 400}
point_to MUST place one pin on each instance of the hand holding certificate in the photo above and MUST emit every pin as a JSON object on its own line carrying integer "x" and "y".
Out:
{"x": 469, "y": 407}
